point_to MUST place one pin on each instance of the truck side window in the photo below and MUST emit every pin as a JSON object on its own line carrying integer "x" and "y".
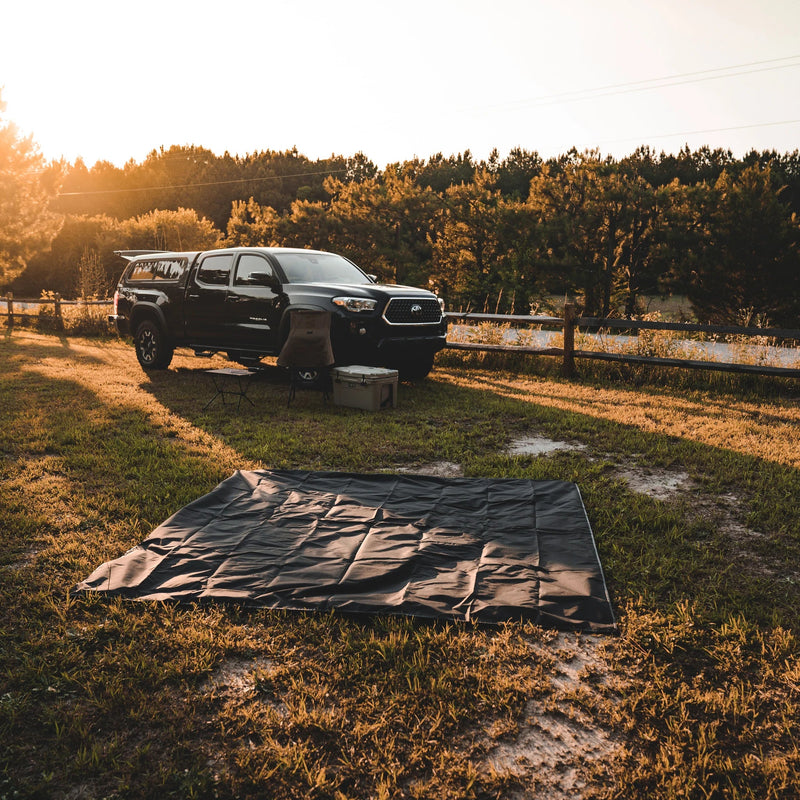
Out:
{"x": 142, "y": 271}
{"x": 215, "y": 269}
{"x": 172, "y": 269}
{"x": 158, "y": 270}
{"x": 248, "y": 264}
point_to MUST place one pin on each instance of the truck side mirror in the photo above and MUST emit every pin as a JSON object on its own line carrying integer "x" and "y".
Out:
{"x": 265, "y": 279}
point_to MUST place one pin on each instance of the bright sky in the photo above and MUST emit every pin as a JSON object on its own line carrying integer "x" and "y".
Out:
{"x": 113, "y": 81}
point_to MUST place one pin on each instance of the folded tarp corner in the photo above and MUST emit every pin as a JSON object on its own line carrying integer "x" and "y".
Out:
{"x": 480, "y": 549}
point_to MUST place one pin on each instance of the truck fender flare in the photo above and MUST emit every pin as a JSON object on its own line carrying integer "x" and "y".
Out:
{"x": 143, "y": 311}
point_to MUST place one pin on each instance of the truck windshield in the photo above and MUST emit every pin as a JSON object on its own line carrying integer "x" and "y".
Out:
{"x": 319, "y": 268}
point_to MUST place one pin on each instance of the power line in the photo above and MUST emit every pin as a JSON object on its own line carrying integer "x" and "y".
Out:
{"x": 697, "y": 73}
{"x": 644, "y": 139}
{"x": 678, "y": 79}
{"x": 204, "y": 183}
{"x": 648, "y": 84}
{"x": 722, "y": 130}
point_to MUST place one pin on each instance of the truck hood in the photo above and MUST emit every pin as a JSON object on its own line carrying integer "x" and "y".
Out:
{"x": 371, "y": 289}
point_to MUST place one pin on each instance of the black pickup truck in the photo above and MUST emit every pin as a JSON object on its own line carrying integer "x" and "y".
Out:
{"x": 238, "y": 301}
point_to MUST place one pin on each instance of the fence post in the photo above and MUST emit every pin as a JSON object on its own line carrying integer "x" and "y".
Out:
{"x": 57, "y": 311}
{"x": 10, "y": 302}
{"x": 568, "y": 365}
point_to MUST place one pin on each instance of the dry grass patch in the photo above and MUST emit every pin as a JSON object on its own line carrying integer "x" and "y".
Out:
{"x": 767, "y": 430}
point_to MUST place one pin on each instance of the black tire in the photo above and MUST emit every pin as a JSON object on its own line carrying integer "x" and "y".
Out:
{"x": 414, "y": 368}
{"x": 153, "y": 349}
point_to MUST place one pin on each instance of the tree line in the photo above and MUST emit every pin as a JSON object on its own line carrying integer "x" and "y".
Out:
{"x": 500, "y": 234}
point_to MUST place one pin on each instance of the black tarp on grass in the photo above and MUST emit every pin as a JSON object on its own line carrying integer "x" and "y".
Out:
{"x": 481, "y": 549}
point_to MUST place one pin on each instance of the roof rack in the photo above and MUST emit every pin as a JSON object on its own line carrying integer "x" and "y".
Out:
{"x": 130, "y": 254}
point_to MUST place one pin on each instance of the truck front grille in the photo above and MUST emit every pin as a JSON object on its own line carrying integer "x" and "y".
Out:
{"x": 412, "y": 311}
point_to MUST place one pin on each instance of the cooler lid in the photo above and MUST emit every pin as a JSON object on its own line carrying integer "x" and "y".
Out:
{"x": 356, "y": 372}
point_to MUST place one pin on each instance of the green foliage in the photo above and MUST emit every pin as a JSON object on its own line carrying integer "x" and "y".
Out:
{"x": 182, "y": 229}
{"x": 468, "y": 250}
{"x": 607, "y": 222}
{"x": 251, "y": 225}
{"x": 193, "y": 177}
{"x": 27, "y": 185}
{"x": 57, "y": 269}
{"x": 499, "y": 234}
{"x": 60, "y": 269}
{"x": 749, "y": 250}
{"x": 91, "y": 279}
{"x": 385, "y": 224}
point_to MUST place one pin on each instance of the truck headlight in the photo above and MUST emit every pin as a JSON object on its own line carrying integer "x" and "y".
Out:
{"x": 355, "y": 304}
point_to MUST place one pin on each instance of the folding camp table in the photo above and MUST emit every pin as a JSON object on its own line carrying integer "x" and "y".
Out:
{"x": 224, "y": 386}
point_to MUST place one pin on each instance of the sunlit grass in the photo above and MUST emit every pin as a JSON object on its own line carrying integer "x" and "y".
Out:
{"x": 101, "y": 698}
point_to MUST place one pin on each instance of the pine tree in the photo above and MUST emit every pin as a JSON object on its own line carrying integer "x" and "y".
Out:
{"x": 27, "y": 185}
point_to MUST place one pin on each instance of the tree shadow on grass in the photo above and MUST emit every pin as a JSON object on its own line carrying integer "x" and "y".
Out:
{"x": 26, "y": 345}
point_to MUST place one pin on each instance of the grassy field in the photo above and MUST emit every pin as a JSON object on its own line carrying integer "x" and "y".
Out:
{"x": 691, "y": 484}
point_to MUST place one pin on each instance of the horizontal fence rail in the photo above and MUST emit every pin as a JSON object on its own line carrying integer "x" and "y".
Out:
{"x": 569, "y": 322}
{"x": 8, "y": 303}
{"x": 688, "y": 327}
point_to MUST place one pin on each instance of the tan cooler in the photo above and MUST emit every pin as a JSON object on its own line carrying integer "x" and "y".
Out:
{"x": 370, "y": 388}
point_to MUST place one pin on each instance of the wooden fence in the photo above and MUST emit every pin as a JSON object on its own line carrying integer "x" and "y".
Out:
{"x": 8, "y": 302}
{"x": 570, "y": 321}
{"x": 568, "y": 324}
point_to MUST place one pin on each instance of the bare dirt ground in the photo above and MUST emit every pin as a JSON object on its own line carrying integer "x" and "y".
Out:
{"x": 438, "y": 469}
{"x": 555, "y": 745}
{"x": 539, "y": 446}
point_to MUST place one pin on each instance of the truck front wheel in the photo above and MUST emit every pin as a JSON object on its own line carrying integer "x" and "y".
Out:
{"x": 153, "y": 349}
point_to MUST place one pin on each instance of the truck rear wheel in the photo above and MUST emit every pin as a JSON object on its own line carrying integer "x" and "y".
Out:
{"x": 153, "y": 349}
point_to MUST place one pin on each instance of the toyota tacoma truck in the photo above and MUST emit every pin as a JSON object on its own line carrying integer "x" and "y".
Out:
{"x": 238, "y": 301}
